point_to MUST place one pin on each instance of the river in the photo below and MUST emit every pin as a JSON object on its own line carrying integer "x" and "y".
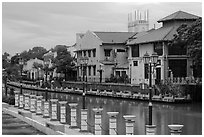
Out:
{"x": 189, "y": 115}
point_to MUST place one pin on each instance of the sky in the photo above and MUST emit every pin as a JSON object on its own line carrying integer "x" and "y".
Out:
{"x": 46, "y": 24}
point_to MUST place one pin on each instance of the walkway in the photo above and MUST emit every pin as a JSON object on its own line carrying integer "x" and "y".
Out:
{"x": 14, "y": 126}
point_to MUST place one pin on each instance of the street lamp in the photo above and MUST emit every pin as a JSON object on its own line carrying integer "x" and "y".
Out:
{"x": 21, "y": 62}
{"x": 46, "y": 84}
{"x": 151, "y": 60}
{"x": 84, "y": 62}
{"x": 100, "y": 70}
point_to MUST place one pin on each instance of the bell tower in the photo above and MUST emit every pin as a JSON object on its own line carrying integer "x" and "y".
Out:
{"x": 138, "y": 21}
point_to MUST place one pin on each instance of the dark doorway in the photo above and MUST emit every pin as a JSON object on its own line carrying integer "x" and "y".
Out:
{"x": 158, "y": 76}
{"x": 178, "y": 67}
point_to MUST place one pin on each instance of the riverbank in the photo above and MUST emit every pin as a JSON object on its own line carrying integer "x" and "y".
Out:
{"x": 105, "y": 92}
{"x": 40, "y": 123}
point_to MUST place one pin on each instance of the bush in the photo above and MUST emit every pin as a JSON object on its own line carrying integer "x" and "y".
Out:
{"x": 8, "y": 99}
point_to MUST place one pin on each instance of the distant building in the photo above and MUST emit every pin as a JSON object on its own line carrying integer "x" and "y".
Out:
{"x": 32, "y": 72}
{"x": 138, "y": 21}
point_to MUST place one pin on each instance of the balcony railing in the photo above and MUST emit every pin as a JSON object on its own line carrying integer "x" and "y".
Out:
{"x": 185, "y": 80}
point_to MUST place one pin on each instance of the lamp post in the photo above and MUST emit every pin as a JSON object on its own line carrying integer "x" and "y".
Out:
{"x": 150, "y": 60}
{"x": 46, "y": 84}
{"x": 21, "y": 62}
{"x": 100, "y": 70}
{"x": 5, "y": 85}
{"x": 84, "y": 62}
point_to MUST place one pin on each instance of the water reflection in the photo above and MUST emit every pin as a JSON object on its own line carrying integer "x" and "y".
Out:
{"x": 190, "y": 115}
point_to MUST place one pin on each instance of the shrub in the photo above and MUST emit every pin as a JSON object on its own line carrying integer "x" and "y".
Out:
{"x": 8, "y": 99}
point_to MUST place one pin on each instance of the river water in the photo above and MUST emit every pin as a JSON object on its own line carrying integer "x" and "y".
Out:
{"x": 189, "y": 115}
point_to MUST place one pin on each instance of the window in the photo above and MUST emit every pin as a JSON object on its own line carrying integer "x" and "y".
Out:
{"x": 178, "y": 49}
{"x": 89, "y": 53}
{"x": 94, "y": 52}
{"x": 84, "y": 53}
{"x": 117, "y": 73}
{"x": 79, "y": 53}
{"x": 89, "y": 70}
{"x": 123, "y": 73}
{"x": 81, "y": 69}
{"x": 158, "y": 48}
{"x": 120, "y": 50}
{"x": 107, "y": 52}
{"x": 94, "y": 70}
{"x": 146, "y": 70}
{"x": 135, "y": 63}
{"x": 135, "y": 51}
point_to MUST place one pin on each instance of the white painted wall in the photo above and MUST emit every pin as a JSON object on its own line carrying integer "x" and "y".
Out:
{"x": 137, "y": 72}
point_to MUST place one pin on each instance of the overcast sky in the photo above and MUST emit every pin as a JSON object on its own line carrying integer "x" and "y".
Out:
{"x": 26, "y": 25}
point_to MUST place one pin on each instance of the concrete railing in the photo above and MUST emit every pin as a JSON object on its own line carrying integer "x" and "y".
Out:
{"x": 185, "y": 80}
{"x": 57, "y": 111}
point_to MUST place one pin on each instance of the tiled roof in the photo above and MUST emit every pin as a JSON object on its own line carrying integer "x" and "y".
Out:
{"x": 179, "y": 15}
{"x": 114, "y": 37}
{"x": 163, "y": 33}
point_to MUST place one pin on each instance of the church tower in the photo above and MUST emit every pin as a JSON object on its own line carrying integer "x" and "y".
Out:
{"x": 138, "y": 21}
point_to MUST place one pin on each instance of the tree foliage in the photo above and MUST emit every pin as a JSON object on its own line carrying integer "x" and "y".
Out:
{"x": 5, "y": 60}
{"x": 37, "y": 65}
{"x": 63, "y": 60}
{"x": 35, "y": 52}
{"x": 190, "y": 37}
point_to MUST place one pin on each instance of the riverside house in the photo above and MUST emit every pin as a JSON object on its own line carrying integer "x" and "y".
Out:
{"x": 173, "y": 61}
{"x": 105, "y": 50}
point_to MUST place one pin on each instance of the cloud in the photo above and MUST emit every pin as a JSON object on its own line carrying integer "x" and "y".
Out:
{"x": 26, "y": 25}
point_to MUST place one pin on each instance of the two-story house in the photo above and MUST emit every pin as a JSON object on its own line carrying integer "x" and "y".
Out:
{"x": 171, "y": 59}
{"x": 33, "y": 72}
{"x": 105, "y": 50}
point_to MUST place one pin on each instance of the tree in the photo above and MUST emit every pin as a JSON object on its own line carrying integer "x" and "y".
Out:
{"x": 63, "y": 60}
{"x": 35, "y": 52}
{"x": 5, "y": 60}
{"x": 37, "y": 65}
{"x": 190, "y": 37}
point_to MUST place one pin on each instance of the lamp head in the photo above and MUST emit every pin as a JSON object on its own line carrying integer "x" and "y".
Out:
{"x": 146, "y": 58}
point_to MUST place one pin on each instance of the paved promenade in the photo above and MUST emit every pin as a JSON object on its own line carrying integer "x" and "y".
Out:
{"x": 14, "y": 126}
{"x": 40, "y": 123}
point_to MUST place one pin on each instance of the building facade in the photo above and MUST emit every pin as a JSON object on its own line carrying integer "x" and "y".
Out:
{"x": 173, "y": 61}
{"x": 105, "y": 50}
{"x": 121, "y": 53}
{"x": 138, "y": 21}
{"x": 33, "y": 72}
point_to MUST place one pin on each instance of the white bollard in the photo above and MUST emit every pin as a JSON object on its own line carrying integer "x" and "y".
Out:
{"x": 32, "y": 103}
{"x": 39, "y": 105}
{"x": 63, "y": 111}
{"x": 150, "y": 129}
{"x": 26, "y": 101}
{"x": 129, "y": 122}
{"x": 73, "y": 115}
{"x": 175, "y": 129}
{"x": 46, "y": 109}
{"x": 112, "y": 123}
{"x": 98, "y": 113}
{"x": 20, "y": 101}
{"x": 53, "y": 109}
{"x": 84, "y": 126}
{"x": 16, "y": 98}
